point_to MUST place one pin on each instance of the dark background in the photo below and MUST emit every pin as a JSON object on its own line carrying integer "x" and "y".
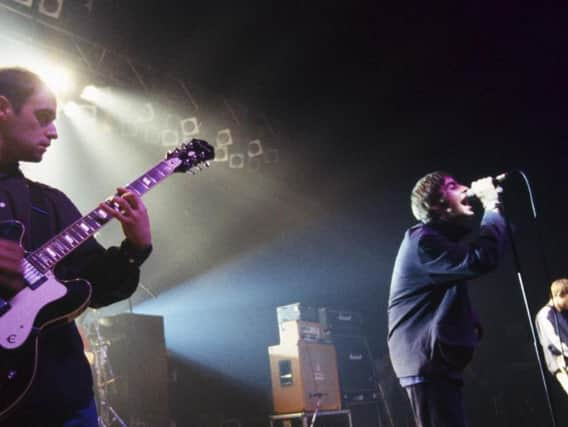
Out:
{"x": 362, "y": 99}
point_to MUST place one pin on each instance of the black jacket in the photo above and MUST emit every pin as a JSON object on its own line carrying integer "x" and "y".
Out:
{"x": 431, "y": 321}
{"x": 63, "y": 381}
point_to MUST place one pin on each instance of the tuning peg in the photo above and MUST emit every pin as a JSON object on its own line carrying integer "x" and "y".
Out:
{"x": 207, "y": 164}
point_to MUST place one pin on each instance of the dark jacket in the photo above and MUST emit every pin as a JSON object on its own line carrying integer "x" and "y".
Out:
{"x": 431, "y": 321}
{"x": 63, "y": 380}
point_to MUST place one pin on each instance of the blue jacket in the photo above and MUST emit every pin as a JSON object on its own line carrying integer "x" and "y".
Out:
{"x": 432, "y": 326}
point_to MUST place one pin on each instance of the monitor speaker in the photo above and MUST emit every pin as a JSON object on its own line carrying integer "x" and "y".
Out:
{"x": 136, "y": 357}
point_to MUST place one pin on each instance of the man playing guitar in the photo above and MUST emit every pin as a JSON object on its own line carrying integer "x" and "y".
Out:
{"x": 61, "y": 393}
{"x": 552, "y": 327}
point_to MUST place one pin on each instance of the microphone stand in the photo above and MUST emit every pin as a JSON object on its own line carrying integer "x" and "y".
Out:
{"x": 519, "y": 273}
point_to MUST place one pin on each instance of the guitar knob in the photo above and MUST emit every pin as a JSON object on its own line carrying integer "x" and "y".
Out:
{"x": 11, "y": 374}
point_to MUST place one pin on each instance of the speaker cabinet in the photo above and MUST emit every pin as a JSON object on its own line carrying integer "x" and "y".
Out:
{"x": 302, "y": 373}
{"x": 367, "y": 414}
{"x": 138, "y": 389}
{"x": 343, "y": 322}
{"x": 356, "y": 370}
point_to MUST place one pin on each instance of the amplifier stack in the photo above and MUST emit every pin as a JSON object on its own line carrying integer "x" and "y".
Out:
{"x": 359, "y": 385}
{"x": 323, "y": 354}
{"x": 303, "y": 366}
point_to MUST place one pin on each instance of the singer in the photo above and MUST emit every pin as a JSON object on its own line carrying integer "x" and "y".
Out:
{"x": 552, "y": 328}
{"x": 433, "y": 328}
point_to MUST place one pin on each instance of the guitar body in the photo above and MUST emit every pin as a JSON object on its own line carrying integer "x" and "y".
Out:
{"x": 31, "y": 311}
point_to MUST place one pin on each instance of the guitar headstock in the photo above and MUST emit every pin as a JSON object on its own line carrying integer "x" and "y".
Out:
{"x": 192, "y": 154}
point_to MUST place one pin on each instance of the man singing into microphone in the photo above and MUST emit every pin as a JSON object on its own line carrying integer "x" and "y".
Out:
{"x": 432, "y": 327}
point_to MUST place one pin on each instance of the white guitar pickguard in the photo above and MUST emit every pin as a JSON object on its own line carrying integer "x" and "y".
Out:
{"x": 17, "y": 323}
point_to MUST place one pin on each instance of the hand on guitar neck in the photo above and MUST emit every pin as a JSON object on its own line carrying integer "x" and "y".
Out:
{"x": 129, "y": 209}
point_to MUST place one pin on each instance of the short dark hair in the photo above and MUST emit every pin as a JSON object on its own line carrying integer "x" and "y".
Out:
{"x": 427, "y": 194}
{"x": 18, "y": 84}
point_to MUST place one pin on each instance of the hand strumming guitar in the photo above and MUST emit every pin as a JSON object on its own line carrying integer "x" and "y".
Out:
{"x": 11, "y": 271}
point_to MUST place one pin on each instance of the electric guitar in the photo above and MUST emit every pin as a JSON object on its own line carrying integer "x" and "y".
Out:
{"x": 44, "y": 301}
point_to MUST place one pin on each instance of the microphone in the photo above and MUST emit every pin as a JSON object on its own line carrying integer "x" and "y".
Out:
{"x": 497, "y": 181}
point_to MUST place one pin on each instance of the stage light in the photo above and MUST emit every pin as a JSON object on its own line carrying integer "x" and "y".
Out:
{"x": 51, "y": 8}
{"x": 91, "y": 93}
{"x": 237, "y": 161}
{"x": 224, "y": 137}
{"x": 255, "y": 148}
{"x": 169, "y": 138}
{"x": 57, "y": 78}
{"x": 189, "y": 127}
{"x": 224, "y": 140}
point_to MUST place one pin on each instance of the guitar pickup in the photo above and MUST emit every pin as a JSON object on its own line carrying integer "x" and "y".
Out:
{"x": 36, "y": 284}
{"x": 4, "y": 306}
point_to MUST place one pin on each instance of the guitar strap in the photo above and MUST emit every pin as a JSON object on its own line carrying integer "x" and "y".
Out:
{"x": 39, "y": 218}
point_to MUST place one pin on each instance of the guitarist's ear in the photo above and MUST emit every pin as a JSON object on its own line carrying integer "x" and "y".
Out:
{"x": 5, "y": 108}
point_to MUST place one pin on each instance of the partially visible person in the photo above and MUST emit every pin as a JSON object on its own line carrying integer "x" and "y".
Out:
{"x": 62, "y": 391}
{"x": 552, "y": 329}
{"x": 432, "y": 327}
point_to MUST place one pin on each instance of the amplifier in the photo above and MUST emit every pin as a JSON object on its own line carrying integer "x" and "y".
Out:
{"x": 297, "y": 311}
{"x": 360, "y": 396}
{"x": 356, "y": 368}
{"x": 138, "y": 391}
{"x": 343, "y": 322}
{"x": 291, "y": 331}
{"x": 302, "y": 375}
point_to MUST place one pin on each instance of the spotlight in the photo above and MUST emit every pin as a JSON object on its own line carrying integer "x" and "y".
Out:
{"x": 224, "y": 138}
{"x": 51, "y": 8}
{"x": 237, "y": 161}
{"x": 169, "y": 138}
{"x": 189, "y": 127}
{"x": 255, "y": 148}
{"x": 91, "y": 93}
{"x": 57, "y": 78}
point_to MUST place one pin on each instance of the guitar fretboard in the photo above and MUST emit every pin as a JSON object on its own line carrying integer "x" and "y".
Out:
{"x": 54, "y": 250}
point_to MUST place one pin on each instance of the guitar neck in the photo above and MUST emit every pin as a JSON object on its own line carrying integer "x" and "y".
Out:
{"x": 58, "y": 247}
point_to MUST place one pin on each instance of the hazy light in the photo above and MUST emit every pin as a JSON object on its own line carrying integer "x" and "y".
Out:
{"x": 58, "y": 78}
{"x": 92, "y": 93}
{"x": 71, "y": 108}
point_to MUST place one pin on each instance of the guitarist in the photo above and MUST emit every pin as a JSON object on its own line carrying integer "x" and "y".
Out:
{"x": 552, "y": 328}
{"x": 62, "y": 390}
